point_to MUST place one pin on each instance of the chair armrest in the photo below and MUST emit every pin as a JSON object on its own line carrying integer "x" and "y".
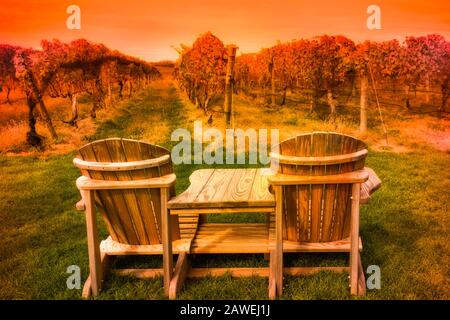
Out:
{"x": 85, "y": 183}
{"x": 342, "y": 158}
{"x": 121, "y": 166}
{"x": 280, "y": 179}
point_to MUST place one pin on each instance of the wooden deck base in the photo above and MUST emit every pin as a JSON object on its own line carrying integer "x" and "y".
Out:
{"x": 335, "y": 246}
{"x": 253, "y": 238}
{"x": 231, "y": 238}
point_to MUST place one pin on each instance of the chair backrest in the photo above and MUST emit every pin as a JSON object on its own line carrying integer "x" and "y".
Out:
{"x": 318, "y": 213}
{"x": 131, "y": 216}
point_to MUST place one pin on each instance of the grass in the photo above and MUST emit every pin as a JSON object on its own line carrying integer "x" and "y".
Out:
{"x": 405, "y": 228}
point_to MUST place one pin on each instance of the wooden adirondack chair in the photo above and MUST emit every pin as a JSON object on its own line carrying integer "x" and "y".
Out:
{"x": 130, "y": 183}
{"x": 317, "y": 193}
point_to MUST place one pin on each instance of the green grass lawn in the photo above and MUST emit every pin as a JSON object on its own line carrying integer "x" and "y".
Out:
{"x": 405, "y": 228}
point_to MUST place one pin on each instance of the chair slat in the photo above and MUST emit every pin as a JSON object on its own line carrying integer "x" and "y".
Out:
{"x": 132, "y": 216}
{"x": 105, "y": 201}
{"x": 318, "y": 212}
{"x": 133, "y": 153}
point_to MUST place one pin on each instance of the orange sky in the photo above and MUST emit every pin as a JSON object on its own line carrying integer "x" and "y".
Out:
{"x": 148, "y": 29}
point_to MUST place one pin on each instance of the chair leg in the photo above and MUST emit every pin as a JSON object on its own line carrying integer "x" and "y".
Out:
{"x": 361, "y": 279}
{"x": 354, "y": 238}
{"x": 166, "y": 241}
{"x": 279, "y": 272}
{"x": 179, "y": 276}
{"x": 279, "y": 239}
{"x": 87, "y": 289}
{"x": 106, "y": 262}
{"x": 95, "y": 265}
{"x": 354, "y": 273}
{"x": 272, "y": 276}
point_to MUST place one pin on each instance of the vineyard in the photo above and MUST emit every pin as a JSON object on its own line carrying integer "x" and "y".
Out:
{"x": 69, "y": 71}
{"x": 326, "y": 75}
{"x": 327, "y": 70}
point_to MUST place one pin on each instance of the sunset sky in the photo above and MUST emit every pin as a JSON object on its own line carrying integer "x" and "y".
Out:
{"x": 149, "y": 29}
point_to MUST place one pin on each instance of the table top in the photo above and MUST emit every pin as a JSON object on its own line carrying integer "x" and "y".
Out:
{"x": 226, "y": 188}
{"x": 240, "y": 188}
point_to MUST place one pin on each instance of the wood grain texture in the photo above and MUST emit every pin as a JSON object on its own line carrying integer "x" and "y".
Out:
{"x": 121, "y": 166}
{"x": 315, "y": 171}
{"x": 127, "y": 176}
{"x": 354, "y": 237}
{"x": 166, "y": 235}
{"x": 84, "y": 183}
{"x": 231, "y": 238}
{"x": 272, "y": 276}
{"x": 359, "y": 176}
{"x": 130, "y": 182}
{"x": 320, "y": 160}
{"x": 179, "y": 275}
{"x": 188, "y": 212}
{"x": 278, "y": 252}
{"x": 95, "y": 265}
{"x": 197, "y": 181}
{"x": 225, "y": 188}
{"x": 320, "y": 176}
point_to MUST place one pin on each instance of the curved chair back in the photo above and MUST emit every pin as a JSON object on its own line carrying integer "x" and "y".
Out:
{"x": 318, "y": 213}
{"x": 131, "y": 216}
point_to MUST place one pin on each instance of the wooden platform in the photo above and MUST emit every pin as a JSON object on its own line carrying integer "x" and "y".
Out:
{"x": 231, "y": 238}
{"x": 253, "y": 238}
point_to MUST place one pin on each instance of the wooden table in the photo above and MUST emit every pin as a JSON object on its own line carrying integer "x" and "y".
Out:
{"x": 219, "y": 191}
{"x": 225, "y": 191}
{"x": 238, "y": 191}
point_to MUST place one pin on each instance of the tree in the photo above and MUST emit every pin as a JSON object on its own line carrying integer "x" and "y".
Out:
{"x": 8, "y": 78}
{"x": 66, "y": 70}
{"x": 424, "y": 58}
{"x": 331, "y": 64}
{"x": 285, "y": 59}
{"x": 201, "y": 69}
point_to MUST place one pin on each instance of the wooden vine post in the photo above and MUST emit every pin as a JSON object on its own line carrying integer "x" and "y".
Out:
{"x": 45, "y": 114}
{"x": 363, "y": 104}
{"x": 272, "y": 79}
{"x": 229, "y": 80}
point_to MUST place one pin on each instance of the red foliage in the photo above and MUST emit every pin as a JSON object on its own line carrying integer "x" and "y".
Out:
{"x": 200, "y": 70}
